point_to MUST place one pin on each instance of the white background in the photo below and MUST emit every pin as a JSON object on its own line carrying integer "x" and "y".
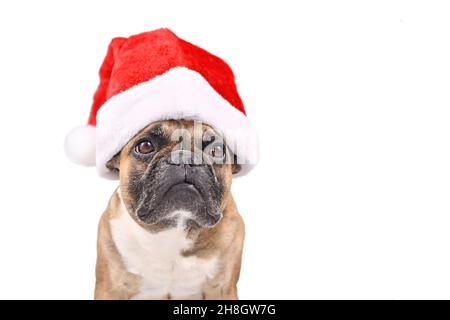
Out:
{"x": 352, "y": 103}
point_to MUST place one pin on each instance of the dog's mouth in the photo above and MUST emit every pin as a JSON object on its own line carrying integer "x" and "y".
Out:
{"x": 178, "y": 188}
{"x": 182, "y": 196}
{"x": 183, "y": 187}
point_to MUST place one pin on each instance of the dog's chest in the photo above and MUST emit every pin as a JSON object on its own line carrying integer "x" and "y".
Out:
{"x": 157, "y": 259}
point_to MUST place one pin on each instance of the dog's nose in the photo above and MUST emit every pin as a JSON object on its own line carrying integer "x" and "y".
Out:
{"x": 184, "y": 157}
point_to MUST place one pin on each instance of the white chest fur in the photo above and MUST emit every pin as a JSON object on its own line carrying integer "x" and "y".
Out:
{"x": 157, "y": 259}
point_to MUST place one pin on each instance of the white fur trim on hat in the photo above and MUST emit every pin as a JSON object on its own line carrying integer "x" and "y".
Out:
{"x": 179, "y": 93}
{"x": 80, "y": 145}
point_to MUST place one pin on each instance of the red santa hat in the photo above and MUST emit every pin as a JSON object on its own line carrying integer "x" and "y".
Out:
{"x": 157, "y": 76}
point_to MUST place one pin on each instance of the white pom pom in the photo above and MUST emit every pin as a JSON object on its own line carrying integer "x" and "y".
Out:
{"x": 80, "y": 145}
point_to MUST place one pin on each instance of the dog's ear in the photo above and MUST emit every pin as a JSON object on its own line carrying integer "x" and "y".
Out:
{"x": 114, "y": 163}
{"x": 235, "y": 167}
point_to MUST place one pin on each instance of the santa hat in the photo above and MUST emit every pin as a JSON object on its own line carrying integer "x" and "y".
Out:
{"x": 157, "y": 76}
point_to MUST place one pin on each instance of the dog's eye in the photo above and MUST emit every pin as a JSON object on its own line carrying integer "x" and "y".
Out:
{"x": 144, "y": 147}
{"x": 217, "y": 151}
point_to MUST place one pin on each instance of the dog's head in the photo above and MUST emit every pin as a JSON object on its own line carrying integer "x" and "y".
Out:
{"x": 175, "y": 172}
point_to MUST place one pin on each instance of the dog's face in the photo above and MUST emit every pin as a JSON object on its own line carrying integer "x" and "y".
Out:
{"x": 175, "y": 172}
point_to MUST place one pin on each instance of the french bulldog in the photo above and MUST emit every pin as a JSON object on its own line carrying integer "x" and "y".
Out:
{"x": 171, "y": 230}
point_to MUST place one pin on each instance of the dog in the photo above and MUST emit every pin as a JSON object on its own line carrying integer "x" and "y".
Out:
{"x": 171, "y": 229}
